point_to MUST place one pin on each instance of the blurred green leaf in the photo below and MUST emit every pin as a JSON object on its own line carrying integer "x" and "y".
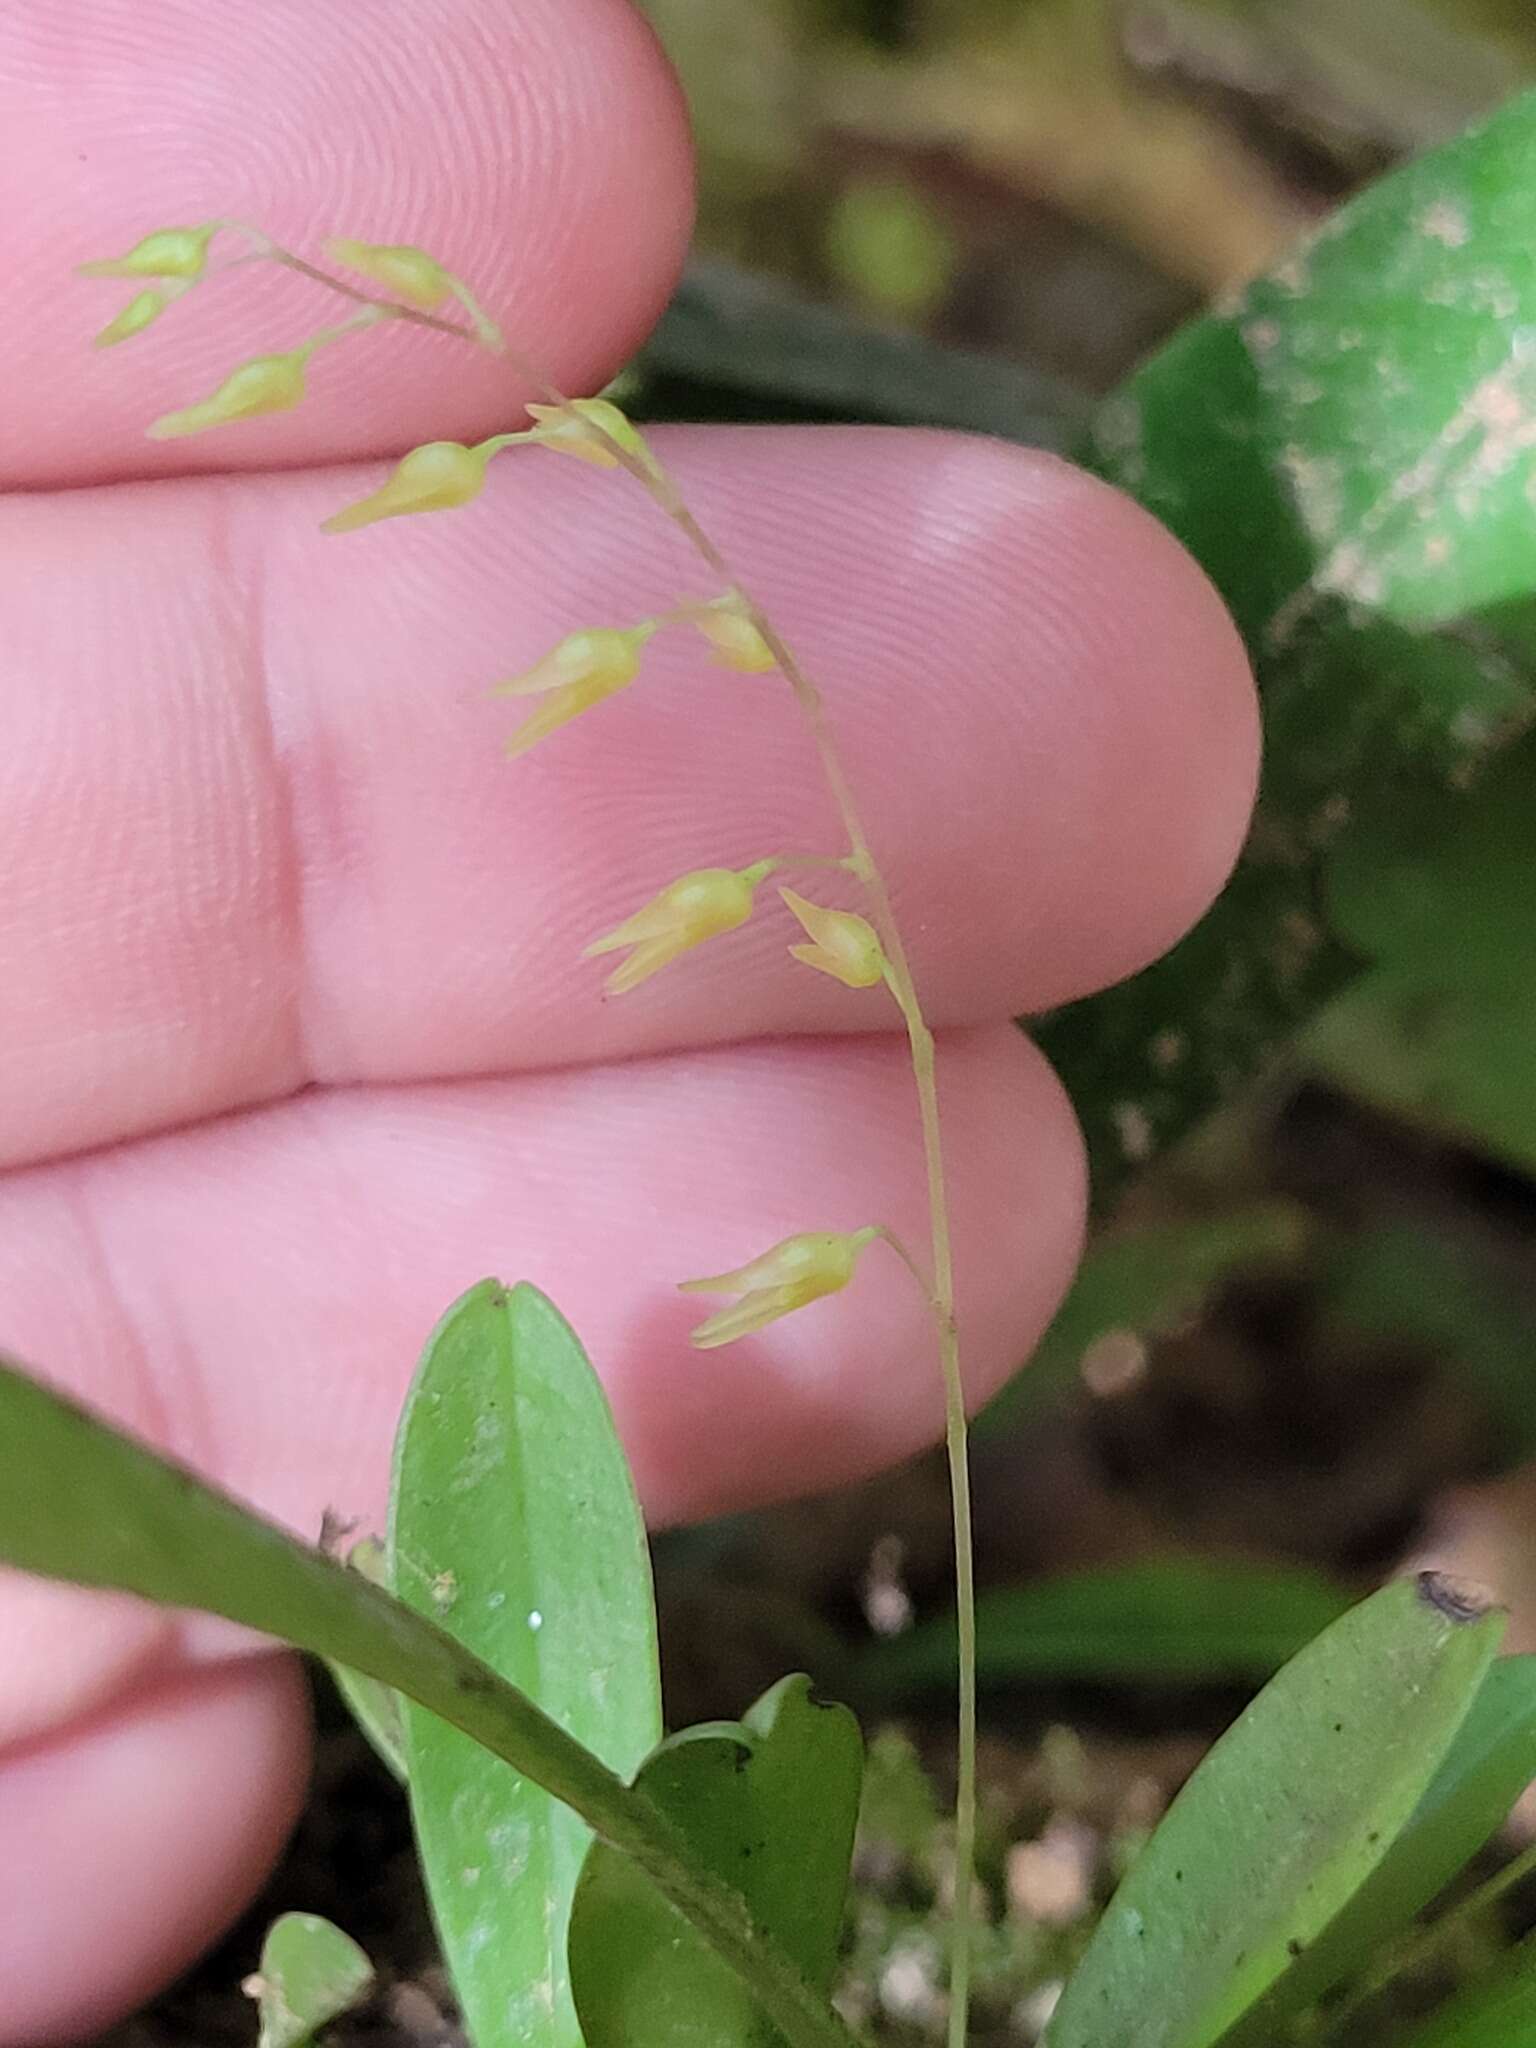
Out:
{"x": 1490, "y": 1763}
{"x": 1139, "y": 1284}
{"x": 1442, "y": 1027}
{"x": 1282, "y": 1823}
{"x": 513, "y": 1522}
{"x": 310, "y": 1974}
{"x": 1166, "y": 1619}
{"x": 1499, "y": 2011}
{"x": 1349, "y": 452}
{"x": 769, "y": 1804}
{"x": 1434, "y": 1291}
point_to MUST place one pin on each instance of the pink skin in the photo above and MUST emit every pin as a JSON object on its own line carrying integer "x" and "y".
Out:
{"x": 298, "y": 1043}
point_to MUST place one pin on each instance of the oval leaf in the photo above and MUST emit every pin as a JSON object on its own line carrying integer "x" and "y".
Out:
{"x": 310, "y": 1974}
{"x": 513, "y": 1522}
{"x": 1282, "y": 1823}
{"x": 769, "y": 1804}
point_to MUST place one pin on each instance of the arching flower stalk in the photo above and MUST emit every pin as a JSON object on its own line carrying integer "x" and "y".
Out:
{"x": 589, "y": 666}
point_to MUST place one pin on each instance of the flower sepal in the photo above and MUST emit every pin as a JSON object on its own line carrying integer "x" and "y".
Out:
{"x": 788, "y": 1276}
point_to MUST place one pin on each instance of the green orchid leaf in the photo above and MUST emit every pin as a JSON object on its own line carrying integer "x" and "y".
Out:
{"x": 1282, "y": 1823}
{"x": 770, "y": 1805}
{"x": 1348, "y": 451}
{"x": 82, "y": 1502}
{"x": 513, "y": 1522}
{"x": 310, "y": 1974}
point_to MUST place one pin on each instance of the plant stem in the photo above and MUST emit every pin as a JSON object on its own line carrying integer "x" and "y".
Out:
{"x": 664, "y": 492}
{"x": 920, "y": 1042}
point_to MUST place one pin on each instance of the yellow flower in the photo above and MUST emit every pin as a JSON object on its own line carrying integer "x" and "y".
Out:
{"x": 842, "y": 945}
{"x": 696, "y": 907}
{"x": 138, "y": 314}
{"x": 409, "y": 275}
{"x": 432, "y": 478}
{"x": 169, "y": 252}
{"x": 582, "y": 671}
{"x": 571, "y": 429}
{"x": 788, "y": 1276}
{"x": 264, "y": 384}
{"x": 727, "y": 624}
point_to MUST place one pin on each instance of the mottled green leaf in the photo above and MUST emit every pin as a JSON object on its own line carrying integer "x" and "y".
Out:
{"x": 1174, "y": 1619}
{"x": 770, "y": 1805}
{"x": 1282, "y": 1823}
{"x": 1348, "y": 449}
{"x": 513, "y": 1522}
{"x": 310, "y": 1974}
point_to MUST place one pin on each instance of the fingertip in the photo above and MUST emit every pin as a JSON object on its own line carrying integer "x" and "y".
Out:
{"x": 133, "y": 1839}
{"x": 539, "y": 148}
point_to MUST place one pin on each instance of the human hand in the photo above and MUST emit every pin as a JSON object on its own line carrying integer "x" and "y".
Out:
{"x": 298, "y": 1039}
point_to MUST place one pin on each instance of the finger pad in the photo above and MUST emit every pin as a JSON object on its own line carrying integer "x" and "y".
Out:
{"x": 536, "y": 146}
{"x": 197, "y": 1783}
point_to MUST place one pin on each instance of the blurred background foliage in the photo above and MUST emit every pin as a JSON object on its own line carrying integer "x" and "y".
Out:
{"x": 1061, "y": 179}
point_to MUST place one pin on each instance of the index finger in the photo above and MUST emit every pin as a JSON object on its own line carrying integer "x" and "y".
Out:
{"x": 537, "y": 147}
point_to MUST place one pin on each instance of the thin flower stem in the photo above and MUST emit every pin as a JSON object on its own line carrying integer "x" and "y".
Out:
{"x": 262, "y": 249}
{"x": 860, "y": 860}
{"x": 920, "y": 1041}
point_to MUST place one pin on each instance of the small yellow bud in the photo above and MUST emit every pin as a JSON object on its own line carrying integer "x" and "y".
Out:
{"x": 788, "y": 1276}
{"x": 264, "y": 384}
{"x": 727, "y": 624}
{"x": 367, "y": 1557}
{"x": 432, "y": 478}
{"x": 579, "y": 427}
{"x": 582, "y": 671}
{"x": 409, "y": 275}
{"x": 170, "y": 252}
{"x": 694, "y": 908}
{"x": 138, "y": 314}
{"x": 842, "y": 945}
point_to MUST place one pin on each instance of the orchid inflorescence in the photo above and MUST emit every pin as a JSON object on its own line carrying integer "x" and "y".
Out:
{"x": 582, "y": 672}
